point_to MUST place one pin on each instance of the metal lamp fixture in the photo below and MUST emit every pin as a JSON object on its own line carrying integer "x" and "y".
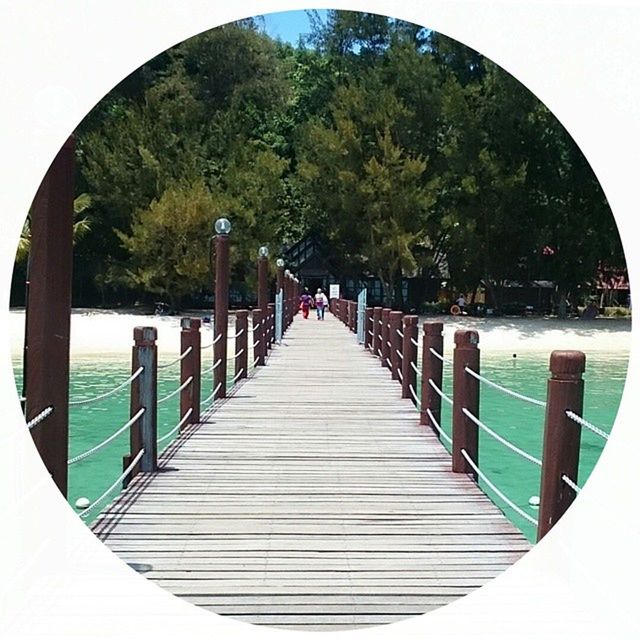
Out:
{"x": 280, "y": 262}
{"x": 263, "y": 251}
{"x": 222, "y": 226}
{"x": 287, "y": 273}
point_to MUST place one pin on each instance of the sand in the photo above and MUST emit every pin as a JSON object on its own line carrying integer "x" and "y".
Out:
{"x": 102, "y": 333}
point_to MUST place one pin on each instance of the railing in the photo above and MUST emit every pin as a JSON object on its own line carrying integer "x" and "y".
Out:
{"x": 250, "y": 346}
{"x": 392, "y": 337}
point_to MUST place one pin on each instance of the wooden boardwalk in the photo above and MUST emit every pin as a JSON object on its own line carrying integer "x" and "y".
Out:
{"x": 312, "y": 499}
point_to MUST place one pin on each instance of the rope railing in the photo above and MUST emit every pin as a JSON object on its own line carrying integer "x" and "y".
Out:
{"x": 500, "y": 439}
{"x": 121, "y": 477}
{"x": 497, "y": 491}
{"x": 237, "y": 335}
{"x": 255, "y": 362}
{"x": 181, "y": 357}
{"x": 499, "y": 387}
{"x": 256, "y": 343}
{"x": 238, "y": 354}
{"x": 389, "y": 363}
{"x": 401, "y": 376}
{"x": 45, "y": 413}
{"x": 400, "y": 354}
{"x": 184, "y": 385}
{"x": 412, "y": 391}
{"x": 235, "y": 378}
{"x": 439, "y": 356}
{"x": 184, "y": 418}
{"x": 108, "y": 394}
{"x": 210, "y": 397}
{"x": 570, "y": 483}
{"x": 207, "y": 346}
{"x": 418, "y": 372}
{"x": 400, "y": 333}
{"x": 414, "y": 342}
{"x": 213, "y": 366}
{"x": 112, "y": 437}
{"x": 439, "y": 429}
{"x": 584, "y": 423}
{"x": 440, "y": 392}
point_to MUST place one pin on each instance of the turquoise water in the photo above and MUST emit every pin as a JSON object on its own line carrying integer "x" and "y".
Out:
{"x": 517, "y": 421}
{"x": 522, "y": 423}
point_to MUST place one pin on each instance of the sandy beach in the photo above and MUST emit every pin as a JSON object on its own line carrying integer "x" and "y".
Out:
{"x": 110, "y": 332}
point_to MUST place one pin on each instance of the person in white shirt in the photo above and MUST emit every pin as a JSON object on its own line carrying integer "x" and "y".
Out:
{"x": 321, "y": 304}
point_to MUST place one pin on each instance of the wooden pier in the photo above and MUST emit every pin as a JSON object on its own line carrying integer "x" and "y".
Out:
{"x": 311, "y": 498}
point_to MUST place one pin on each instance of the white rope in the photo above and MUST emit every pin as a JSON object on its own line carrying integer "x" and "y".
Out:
{"x": 481, "y": 475}
{"x": 256, "y": 343}
{"x": 211, "y": 396}
{"x": 499, "y": 438}
{"x": 371, "y": 333}
{"x": 439, "y": 391}
{"x": 39, "y": 418}
{"x": 439, "y": 429}
{"x": 389, "y": 344}
{"x": 581, "y": 421}
{"x": 414, "y": 342}
{"x": 388, "y": 362}
{"x": 400, "y": 374}
{"x": 182, "y": 356}
{"x": 206, "y": 346}
{"x": 237, "y": 335}
{"x": 131, "y": 378}
{"x": 255, "y": 362}
{"x": 515, "y": 394}
{"x": 418, "y": 372}
{"x": 212, "y": 367}
{"x": 400, "y": 333}
{"x": 235, "y": 378}
{"x": 439, "y": 356}
{"x": 238, "y": 354}
{"x": 400, "y": 354}
{"x": 415, "y": 397}
{"x": 122, "y": 429}
{"x": 184, "y": 418}
{"x": 380, "y": 322}
{"x": 569, "y": 482}
{"x": 184, "y": 385}
{"x": 125, "y": 473}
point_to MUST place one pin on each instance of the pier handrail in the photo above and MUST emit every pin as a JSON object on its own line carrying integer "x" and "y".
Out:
{"x": 108, "y": 394}
{"x": 45, "y": 413}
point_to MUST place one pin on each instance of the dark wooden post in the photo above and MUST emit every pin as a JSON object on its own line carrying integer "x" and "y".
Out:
{"x": 409, "y": 356}
{"x": 368, "y": 328}
{"x": 271, "y": 312}
{"x": 431, "y": 370}
{"x": 561, "y": 446}
{"x": 395, "y": 326}
{"x": 143, "y": 434}
{"x": 354, "y": 316}
{"x": 376, "y": 340}
{"x": 258, "y": 349}
{"x": 384, "y": 338}
{"x": 242, "y": 343}
{"x": 221, "y": 315}
{"x": 46, "y": 365}
{"x": 466, "y": 395}
{"x": 263, "y": 300}
{"x": 190, "y": 366}
{"x": 279, "y": 288}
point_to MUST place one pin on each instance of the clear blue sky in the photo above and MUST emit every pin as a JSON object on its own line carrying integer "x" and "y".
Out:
{"x": 289, "y": 25}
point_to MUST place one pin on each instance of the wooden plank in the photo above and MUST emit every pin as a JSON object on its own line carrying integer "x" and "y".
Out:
{"x": 312, "y": 499}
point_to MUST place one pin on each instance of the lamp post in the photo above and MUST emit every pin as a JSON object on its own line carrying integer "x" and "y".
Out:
{"x": 279, "y": 291}
{"x": 287, "y": 296}
{"x": 221, "y": 311}
{"x": 263, "y": 301}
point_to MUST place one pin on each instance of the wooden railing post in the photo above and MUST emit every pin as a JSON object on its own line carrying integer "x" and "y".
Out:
{"x": 431, "y": 370}
{"x": 144, "y": 395}
{"x": 368, "y": 328}
{"x": 409, "y": 356}
{"x": 384, "y": 338}
{"x": 48, "y": 313}
{"x": 561, "y": 446}
{"x": 242, "y": 343}
{"x": 466, "y": 395}
{"x": 190, "y": 366}
{"x": 258, "y": 336}
{"x": 395, "y": 326}
{"x": 376, "y": 340}
{"x": 271, "y": 311}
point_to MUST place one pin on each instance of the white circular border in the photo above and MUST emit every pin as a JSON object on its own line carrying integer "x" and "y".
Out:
{"x": 59, "y": 58}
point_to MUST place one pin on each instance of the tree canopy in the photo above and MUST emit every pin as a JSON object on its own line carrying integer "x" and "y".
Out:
{"x": 397, "y": 146}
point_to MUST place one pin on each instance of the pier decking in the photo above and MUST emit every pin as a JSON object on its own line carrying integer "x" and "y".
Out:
{"x": 311, "y": 498}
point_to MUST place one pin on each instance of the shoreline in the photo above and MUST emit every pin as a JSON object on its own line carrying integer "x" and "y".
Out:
{"x": 106, "y": 332}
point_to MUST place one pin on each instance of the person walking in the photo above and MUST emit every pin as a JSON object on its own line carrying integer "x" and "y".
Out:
{"x": 321, "y": 304}
{"x": 305, "y": 303}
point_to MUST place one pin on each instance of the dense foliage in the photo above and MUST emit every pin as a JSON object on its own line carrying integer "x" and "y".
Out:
{"x": 402, "y": 150}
